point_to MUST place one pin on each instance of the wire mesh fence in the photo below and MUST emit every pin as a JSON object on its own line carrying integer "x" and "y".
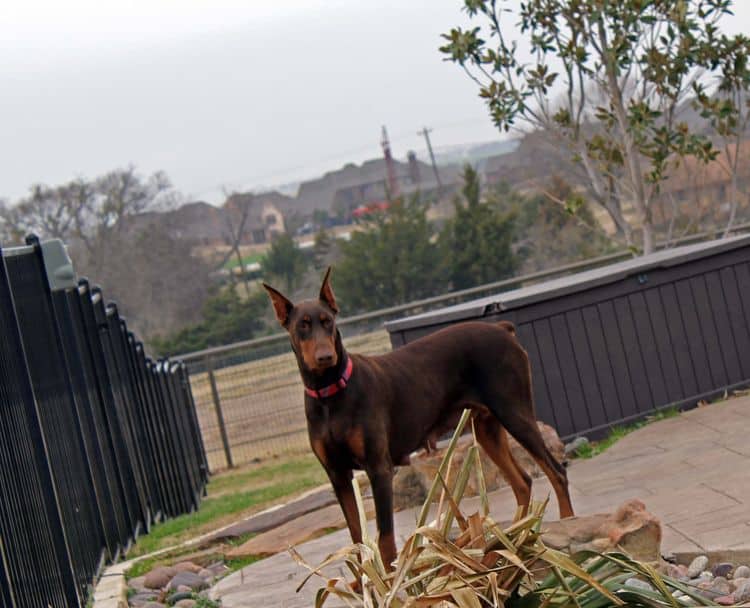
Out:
{"x": 97, "y": 441}
{"x": 249, "y": 397}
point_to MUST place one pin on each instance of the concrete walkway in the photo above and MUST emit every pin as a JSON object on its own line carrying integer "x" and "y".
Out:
{"x": 692, "y": 471}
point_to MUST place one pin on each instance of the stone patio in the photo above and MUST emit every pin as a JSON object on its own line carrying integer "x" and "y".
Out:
{"x": 692, "y": 471}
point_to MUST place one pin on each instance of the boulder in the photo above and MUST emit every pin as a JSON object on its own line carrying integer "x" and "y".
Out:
{"x": 631, "y": 529}
{"x": 412, "y": 482}
{"x": 159, "y": 577}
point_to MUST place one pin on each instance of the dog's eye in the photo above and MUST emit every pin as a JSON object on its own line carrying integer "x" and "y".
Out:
{"x": 304, "y": 324}
{"x": 327, "y": 322}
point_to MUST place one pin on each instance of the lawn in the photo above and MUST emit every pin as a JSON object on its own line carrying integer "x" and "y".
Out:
{"x": 235, "y": 494}
{"x": 246, "y": 259}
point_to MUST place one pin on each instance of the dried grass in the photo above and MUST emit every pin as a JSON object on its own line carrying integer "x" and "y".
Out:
{"x": 482, "y": 564}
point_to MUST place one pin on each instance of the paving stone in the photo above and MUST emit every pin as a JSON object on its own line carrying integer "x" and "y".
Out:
{"x": 267, "y": 520}
{"x": 674, "y": 466}
{"x": 295, "y": 532}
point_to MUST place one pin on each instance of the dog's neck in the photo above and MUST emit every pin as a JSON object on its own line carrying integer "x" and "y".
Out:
{"x": 329, "y": 376}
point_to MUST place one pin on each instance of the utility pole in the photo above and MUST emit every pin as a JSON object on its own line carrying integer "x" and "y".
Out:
{"x": 393, "y": 189}
{"x": 426, "y": 132}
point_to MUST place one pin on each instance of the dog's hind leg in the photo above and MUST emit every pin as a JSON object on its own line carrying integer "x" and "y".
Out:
{"x": 510, "y": 398}
{"x": 493, "y": 438}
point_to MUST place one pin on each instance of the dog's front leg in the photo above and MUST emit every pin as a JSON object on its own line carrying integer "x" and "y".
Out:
{"x": 381, "y": 479}
{"x": 342, "y": 487}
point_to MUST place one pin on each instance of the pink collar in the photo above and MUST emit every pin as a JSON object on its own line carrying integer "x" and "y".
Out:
{"x": 332, "y": 389}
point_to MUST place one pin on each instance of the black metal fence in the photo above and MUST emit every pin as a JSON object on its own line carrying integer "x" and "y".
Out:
{"x": 97, "y": 441}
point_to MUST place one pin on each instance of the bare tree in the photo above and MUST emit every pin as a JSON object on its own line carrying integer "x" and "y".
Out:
{"x": 235, "y": 233}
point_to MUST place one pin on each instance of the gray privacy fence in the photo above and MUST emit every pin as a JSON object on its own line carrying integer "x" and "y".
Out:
{"x": 97, "y": 441}
{"x": 249, "y": 397}
{"x": 614, "y": 344}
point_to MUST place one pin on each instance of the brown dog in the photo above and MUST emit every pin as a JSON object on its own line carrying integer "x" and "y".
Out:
{"x": 371, "y": 413}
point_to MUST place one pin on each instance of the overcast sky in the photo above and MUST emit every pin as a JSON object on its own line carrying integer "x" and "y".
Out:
{"x": 226, "y": 94}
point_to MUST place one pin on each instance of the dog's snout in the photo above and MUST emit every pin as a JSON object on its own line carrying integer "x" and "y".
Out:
{"x": 324, "y": 358}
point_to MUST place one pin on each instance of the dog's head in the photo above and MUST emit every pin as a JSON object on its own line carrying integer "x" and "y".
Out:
{"x": 311, "y": 325}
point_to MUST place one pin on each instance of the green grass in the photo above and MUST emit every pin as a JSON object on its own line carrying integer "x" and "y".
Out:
{"x": 232, "y": 495}
{"x": 618, "y": 432}
{"x": 247, "y": 259}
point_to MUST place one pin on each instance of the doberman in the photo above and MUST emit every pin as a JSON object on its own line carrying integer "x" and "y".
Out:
{"x": 371, "y": 413}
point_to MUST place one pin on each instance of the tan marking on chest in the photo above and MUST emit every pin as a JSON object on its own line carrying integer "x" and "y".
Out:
{"x": 355, "y": 440}
{"x": 319, "y": 448}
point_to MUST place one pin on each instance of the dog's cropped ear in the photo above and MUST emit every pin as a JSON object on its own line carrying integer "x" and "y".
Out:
{"x": 326, "y": 292}
{"x": 281, "y": 304}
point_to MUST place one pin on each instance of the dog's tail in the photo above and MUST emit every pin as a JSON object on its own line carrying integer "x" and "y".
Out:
{"x": 507, "y": 326}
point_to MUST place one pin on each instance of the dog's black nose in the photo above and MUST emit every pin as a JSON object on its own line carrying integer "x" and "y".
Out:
{"x": 324, "y": 359}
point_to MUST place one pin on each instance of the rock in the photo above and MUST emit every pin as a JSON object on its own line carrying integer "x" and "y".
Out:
{"x": 639, "y": 584}
{"x": 742, "y": 593}
{"x": 188, "y": 603}
{"x": 307, "y": 527}
{"x": 571, "y": 449}
{"x": 189, "y": 579}
{"x": 159, "y": 577}
{"x": 408, "y": 488}
{"x": 141, "y": 599}
{"x": 187, "y": 567}
{"x": 741, "y": 572}
{"x": 720, "y": 586}
{"x": 738, "y": 582}
{"x": 722, "y": 569}
{"x": 697, "y": 566}
{"x": 179, "y": 596}
{"x": 725, "y": 600}
{"x": 183, "y": 589}
{"x": 273, "y": 518}
{"x": 137, "y": 583}
{"x": 205, "y": 573}
{"x": 155, "y": 605}
{"x": 631, "y": 529}
{"x": 423, "y": 468}
{"x": 676, "y": 571}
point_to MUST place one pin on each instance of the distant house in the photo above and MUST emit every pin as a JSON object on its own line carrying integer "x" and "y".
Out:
{"x": 205, "y": 224}
{"x": 341, "y": 192}
{"x": 263, "y": 219}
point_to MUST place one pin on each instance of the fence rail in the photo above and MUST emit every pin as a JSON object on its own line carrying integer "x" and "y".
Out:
{"x": 97, "y": 441}
{"x": 248, "y": 396}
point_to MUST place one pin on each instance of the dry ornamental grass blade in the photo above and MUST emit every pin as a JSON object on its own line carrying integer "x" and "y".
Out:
{"x": 483, "y": 564}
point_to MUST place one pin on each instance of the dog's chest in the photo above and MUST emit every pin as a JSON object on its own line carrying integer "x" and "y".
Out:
{"x": 342, "y": 440}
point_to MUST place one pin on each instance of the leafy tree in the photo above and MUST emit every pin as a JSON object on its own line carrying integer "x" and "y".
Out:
{"x": 322, "y": 246}
{"x": 477, "y": 240}
{"x": 555, "y": 227}
{"x": 392, "y": 262}
{"x": 285, "y": 261}
{"x": 626, "y": 69}
{"x": 227, "y": 318}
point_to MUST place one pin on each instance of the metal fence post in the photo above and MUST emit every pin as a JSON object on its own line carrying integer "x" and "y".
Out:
{"x": 219, "y": 413}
